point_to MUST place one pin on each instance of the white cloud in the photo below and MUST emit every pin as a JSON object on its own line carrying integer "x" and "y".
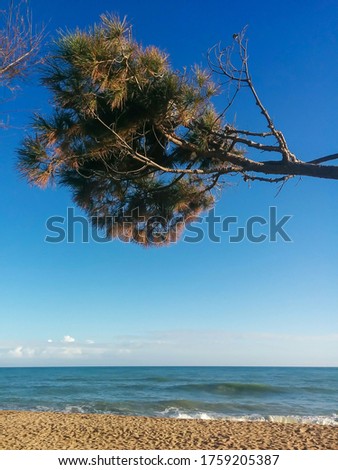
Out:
{"x": 68, "y": 339}
{"x": 71, "y": 352}
{"x": 124, "y": 351}
{"x": 17, "y": 352}
{"x": 181, "y": 347}
{"x": 20, "y": 351}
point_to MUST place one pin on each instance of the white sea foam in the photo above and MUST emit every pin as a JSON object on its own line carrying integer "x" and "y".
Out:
{"x": 290, "y": 419}
{"x": 324, "y": 420}
{"x": 75, "y": 409}
{"x": 173, "y": 412}
{"x": 179, "y": 413}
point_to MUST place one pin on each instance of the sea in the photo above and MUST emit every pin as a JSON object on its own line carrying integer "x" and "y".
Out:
{"x": 280, "y": 394}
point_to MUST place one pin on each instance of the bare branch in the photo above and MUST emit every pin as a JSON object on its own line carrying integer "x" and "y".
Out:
{"x": 240, "y": 75}
{"x": 19, "y": 43}
{"x": 328, "y": 158}
{"x": 233, "y": 130}
{"x": 249, "y": 143}
{"x": 247, "y": 177}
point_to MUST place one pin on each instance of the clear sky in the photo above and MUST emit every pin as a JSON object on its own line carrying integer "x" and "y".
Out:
{"x": 206, "y": 303}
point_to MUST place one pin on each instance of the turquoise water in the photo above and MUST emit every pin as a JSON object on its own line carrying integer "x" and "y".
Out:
{"x": 245, "y": 393}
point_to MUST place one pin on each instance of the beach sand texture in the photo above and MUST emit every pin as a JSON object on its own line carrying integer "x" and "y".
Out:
{"x": 35, "y": 430}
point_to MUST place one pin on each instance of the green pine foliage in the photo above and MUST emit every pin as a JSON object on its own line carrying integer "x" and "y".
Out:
{"x": 115, "y": 106}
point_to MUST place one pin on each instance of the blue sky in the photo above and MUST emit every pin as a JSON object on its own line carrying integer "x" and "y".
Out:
{"x": 271, "y": 303}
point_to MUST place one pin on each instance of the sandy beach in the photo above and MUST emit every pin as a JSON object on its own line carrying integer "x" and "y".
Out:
{"x": 35, "y": 430}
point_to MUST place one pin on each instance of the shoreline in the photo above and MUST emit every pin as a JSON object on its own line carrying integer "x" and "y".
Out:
{"x": 35, "y": 430}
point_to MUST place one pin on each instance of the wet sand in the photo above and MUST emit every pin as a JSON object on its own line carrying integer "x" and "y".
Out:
{"x": 35, "y": 430}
